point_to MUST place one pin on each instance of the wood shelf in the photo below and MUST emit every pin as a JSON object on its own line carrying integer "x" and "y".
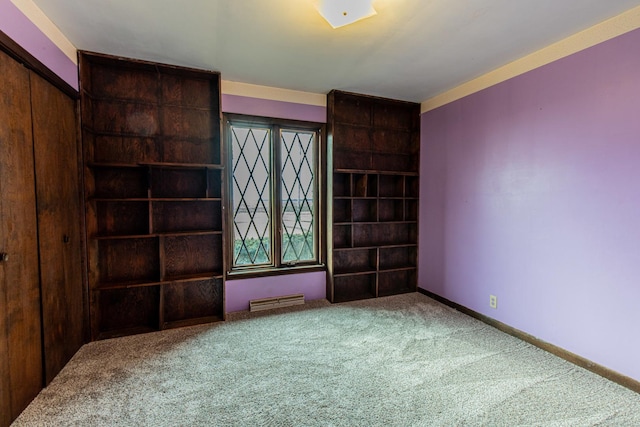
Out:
{"x": 156, "y": 235}
{"x": 134, "y": 135}
{"x": 89, "y": 95}
{"x": 194, "y": 277}
{"x": 154, "y": 186}
{"x": 124, "y": 332}
{"x": 185, "y": 199}
{"x": 390, "y": 270}
{"x": 375, "y": 171}
{"x": 353, "y": 273}
{"x": 156, "y": 199}
{"x": 374, "y": 215}
{"x": 167, "y": 280}
{"x": 112, "y": 165}
{"x": 191, "y": 322}
{"x": 182, "y": 165}
{"x": 127, "y": 285}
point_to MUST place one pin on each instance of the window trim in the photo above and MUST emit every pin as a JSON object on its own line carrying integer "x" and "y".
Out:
{"x": 276, "y": 125}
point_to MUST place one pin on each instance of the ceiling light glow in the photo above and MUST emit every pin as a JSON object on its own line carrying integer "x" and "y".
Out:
{"x": 339, "y": 13}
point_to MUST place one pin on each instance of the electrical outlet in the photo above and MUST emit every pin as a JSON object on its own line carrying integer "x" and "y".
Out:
{"x": 493, "y": 301}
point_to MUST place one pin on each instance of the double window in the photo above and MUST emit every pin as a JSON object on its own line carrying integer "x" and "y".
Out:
{"x": 274, "y": 188}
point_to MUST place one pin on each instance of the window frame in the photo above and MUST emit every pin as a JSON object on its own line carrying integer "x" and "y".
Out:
{"x": 276, "y": 125}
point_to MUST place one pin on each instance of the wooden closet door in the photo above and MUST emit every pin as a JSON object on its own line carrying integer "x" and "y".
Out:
{"x": 20, "y": 326}
{"x": 58, "y": 207}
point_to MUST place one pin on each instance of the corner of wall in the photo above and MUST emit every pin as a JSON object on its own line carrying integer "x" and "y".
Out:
{"x": 28, "y": 26}
{"x": 606, "y": 30}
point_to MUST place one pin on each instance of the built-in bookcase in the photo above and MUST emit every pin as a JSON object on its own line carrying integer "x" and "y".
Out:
{"x": 374, "y": 202}
{"x": 154, "y": 191}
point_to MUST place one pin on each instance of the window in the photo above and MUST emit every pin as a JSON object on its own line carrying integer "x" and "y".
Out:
{"x": 274, "y": 193}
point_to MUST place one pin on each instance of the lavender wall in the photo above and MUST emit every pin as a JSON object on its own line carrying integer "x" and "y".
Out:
{"x": 238, "y": 292}
{"x": 531, "y": 192}
{"x": 276, "y": 109}
{"x": 17, "y": 26}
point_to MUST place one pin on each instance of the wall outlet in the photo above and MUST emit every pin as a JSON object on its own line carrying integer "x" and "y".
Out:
{"x": 493, "y": 301}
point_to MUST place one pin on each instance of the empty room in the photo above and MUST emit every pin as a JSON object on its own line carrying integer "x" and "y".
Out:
{"x": 320, "y": 213}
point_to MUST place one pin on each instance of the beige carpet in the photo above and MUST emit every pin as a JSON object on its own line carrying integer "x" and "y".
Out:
{"x": 399, "y": 361}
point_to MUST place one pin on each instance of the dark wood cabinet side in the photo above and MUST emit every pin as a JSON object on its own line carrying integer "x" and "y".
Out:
{"x": 59, "y": 233}
{"x": 20, "y": 326}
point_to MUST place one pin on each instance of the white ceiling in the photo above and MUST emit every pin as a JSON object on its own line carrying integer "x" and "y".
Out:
{"x": 411, "y": 50}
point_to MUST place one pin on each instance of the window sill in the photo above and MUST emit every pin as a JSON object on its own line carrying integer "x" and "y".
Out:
{"x": 274, "y": 271}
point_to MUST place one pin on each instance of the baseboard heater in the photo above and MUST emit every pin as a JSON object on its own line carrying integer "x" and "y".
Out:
{"x": 276, "y": 302}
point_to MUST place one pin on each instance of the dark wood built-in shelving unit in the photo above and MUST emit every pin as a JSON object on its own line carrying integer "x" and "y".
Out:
{"x": 154, "y": 189}
{"x": 373, "y": 209}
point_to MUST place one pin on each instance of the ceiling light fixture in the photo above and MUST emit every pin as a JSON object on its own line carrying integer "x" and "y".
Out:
{"x": 339, "y": 13}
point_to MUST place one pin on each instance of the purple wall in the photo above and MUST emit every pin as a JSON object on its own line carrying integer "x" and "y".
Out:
{"x": 531, "y": 192}
{"x": 238, "y": 292}
{"x": 276, "y": 109}
{"x": 24, "y": 32}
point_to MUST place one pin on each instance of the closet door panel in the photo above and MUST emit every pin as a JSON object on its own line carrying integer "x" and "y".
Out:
{"x": 58, "y": 208}
{"x": 20, "y": 333}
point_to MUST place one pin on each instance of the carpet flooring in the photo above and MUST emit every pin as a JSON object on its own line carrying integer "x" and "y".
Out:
{"x": 397, "y": 361}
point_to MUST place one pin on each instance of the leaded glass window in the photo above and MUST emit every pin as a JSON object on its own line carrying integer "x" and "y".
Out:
{"x": 297, "y": 195}
{"x": 251, "y": 195}
{"x": 274, "y": 193}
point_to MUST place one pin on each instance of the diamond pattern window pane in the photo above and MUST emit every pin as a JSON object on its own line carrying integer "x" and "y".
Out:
{"x": 251, "y": 154}
{"x": 297, "y": 189}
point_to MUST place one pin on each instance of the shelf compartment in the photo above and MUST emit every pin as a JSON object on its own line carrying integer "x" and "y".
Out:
{"x": 126, "y": 311}
{"x": 192, "y": 255}
{"x": 120, "y": 182}
{"x": 189, "y": 92}
{"x": 394, "y": 142}
{"x": 353, "y": 138}
{"x": 398, "y": 257}
{"x": 342, "y": 185}
{"x": 365, "y": 185}
{"x": 391, "y": 185}
{"x": 391, "y": 210}
{"x": 125, "y": 118}
{"x": 365, "y": 210}
{"x": 342, "y": 210}
{"x": 356, "y": 261}
{"x": 214, "y": 184}
{"x": 184, "y": 150}
{"x": 121, "y": 149}
{"x": 179, "y": 183}
{"x": 122, "y": 218}
{"x": 384, "y": 234}
{"x": 345, "y": 159}
{"x": 352, "y": 109}
{"x": 127, "y": 260}
{"x": 395, "y": 116}
{"x": 397, "y": 282}
{"x": 191, "y": 300}
{"x": 395, "y": 162}
{"x": 412, "y": 186}
{"x": 106, "y": 81}
{"x": 188, "y": 123}
{"x": 354, "y": 287}
{"x": 342, "y": 236}
{"x": 411, "y": 210}
{"x": 186, "y": 216}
